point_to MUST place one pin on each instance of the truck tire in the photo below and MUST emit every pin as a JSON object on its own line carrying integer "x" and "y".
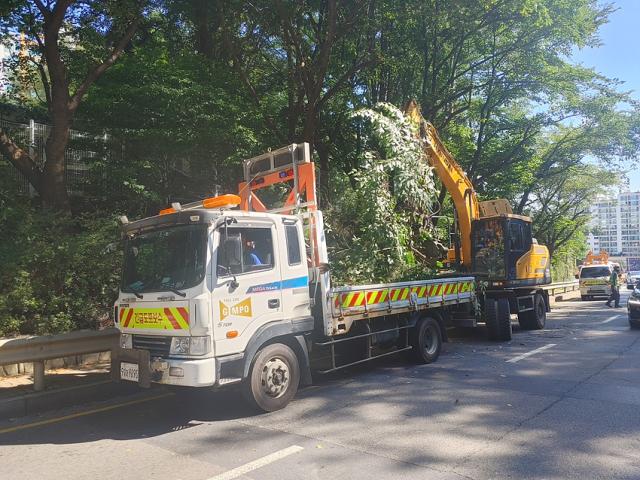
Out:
{"x": 498, "y": 319}
{"x": 536, "y": 318}
{"x": 634, "y": 323}
{"x": 273, "y": 379}
{"x": 426, "y": 340}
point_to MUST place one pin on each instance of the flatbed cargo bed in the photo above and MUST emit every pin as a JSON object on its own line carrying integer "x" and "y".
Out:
{"x": 352, "y": 303}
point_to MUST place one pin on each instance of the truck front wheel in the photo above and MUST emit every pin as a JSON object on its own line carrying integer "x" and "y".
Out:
{"x": 426, "y": 340}
{"x": 273, "y": 379}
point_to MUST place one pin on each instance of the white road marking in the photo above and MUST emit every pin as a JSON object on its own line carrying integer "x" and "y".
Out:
{"x": 259, "y": 463}
{"x": 532, "y": 352}
{"x": 610, "y": 319}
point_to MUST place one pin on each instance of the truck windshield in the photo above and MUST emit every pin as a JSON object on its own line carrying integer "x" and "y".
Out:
{"x": 160, "y": 260}
{"x": 595, "y": 272}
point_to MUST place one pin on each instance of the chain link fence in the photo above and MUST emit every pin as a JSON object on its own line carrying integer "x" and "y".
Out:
{"x": 81, "y": 150}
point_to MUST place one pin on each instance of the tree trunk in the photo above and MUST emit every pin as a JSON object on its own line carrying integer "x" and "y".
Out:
{"x": 203, "y": 36}
{"x": 54, "y": 185}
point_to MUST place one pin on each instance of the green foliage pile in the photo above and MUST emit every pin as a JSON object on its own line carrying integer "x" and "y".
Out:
{"x": 371, "y": 227}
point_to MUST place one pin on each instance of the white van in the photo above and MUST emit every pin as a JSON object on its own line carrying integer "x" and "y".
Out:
{"x": 594, "y": 281}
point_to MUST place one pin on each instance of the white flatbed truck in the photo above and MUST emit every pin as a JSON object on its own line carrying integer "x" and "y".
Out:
{"x": 214, "y": 295}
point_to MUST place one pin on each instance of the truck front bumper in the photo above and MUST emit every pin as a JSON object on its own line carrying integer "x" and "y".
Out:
{"x": 595, "y": 290}
{"x": 199, "y": 372}
{"x": 184, "y": 372}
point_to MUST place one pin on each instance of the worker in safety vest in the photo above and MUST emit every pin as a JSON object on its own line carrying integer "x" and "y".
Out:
{"x": 614, "y": 281}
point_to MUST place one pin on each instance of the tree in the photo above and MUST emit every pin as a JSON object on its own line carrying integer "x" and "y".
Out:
{"x": 561, "y": 209}
{"x": 491, "y": 76}
{"x": 63, "y": 41}
{"x": 185, "y": 124}
{"x": 315, "y": 50}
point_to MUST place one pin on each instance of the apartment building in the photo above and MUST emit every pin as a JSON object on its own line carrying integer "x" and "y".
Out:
{"x": 615, "y": 225}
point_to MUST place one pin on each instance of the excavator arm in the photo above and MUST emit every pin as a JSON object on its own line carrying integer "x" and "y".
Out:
{"x": 465, "y": 200}
{"x": 454, "y": 180}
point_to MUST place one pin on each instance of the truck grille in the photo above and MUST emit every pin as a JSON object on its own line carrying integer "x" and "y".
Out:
{"x": 158, "y": 346}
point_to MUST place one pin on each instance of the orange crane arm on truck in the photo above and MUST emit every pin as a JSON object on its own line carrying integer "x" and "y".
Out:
{"x": 601, "y": 258}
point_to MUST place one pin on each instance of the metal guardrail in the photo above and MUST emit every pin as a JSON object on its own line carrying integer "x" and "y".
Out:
{"x": 38, "y": 349}
{"x": 562, "y": 287}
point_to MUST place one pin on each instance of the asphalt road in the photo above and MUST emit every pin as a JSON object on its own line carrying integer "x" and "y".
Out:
{"x": 561, "y": 403}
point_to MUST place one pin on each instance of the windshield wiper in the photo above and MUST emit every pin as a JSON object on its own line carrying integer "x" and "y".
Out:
{"x": 173, "y": 289}
{"x": 135, "y": 292}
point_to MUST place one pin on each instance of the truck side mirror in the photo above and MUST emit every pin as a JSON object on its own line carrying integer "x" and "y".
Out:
{"x": 577, "y": 276}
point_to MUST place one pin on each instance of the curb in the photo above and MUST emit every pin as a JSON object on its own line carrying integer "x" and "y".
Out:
{"x": 559, "y": 297}
{"x": 38, "y": 402}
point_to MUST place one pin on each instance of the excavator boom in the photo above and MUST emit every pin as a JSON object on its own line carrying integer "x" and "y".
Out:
{"x": 455, "y": 180}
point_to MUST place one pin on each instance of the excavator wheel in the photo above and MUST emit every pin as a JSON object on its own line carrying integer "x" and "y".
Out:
{"x": 498, "y": 319}
{"x": 536, "y": 318}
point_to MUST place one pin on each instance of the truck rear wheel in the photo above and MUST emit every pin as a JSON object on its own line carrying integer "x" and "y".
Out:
{"x": 426, "y": 340}
{"x": 536, "y": 318}
{"x": 498, "y": 319}
{"x": 273, "y": 379}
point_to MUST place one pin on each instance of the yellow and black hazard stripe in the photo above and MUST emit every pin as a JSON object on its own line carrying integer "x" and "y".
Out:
{"x": 400, "y": 294}
{"x": 174, "y": 318}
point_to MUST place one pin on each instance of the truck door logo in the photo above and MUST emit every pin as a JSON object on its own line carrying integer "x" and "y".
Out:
{"x": 240, "y": 309}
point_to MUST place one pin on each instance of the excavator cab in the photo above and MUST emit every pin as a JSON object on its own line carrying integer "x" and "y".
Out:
{"x": 505, "y": 252}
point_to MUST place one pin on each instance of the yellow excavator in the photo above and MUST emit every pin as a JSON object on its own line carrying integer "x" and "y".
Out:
{"x": 490, "y": 242}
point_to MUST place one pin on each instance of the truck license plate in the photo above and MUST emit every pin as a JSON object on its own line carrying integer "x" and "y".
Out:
{"x": 129, "y": 371}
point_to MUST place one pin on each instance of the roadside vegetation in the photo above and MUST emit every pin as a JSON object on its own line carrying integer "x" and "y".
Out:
{"x": 185, "y": 90}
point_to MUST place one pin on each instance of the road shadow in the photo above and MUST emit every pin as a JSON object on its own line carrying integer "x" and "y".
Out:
{"x": 417, "y": 415}
{"x": 54, "y": 380}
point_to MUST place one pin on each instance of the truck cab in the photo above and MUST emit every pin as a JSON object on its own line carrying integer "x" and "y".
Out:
{"x": 199, "y": 286}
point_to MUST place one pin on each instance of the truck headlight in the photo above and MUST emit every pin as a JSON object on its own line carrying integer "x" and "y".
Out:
{"x": 189, "y": 346}
{"x": 179, "y": 346}
{"x": 199, "y": 345}
{"x": 126, "y": 340}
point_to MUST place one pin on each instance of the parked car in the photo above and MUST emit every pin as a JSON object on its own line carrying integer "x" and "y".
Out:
{"x": 633, "y": 277}
{"x": 633, "y": 307}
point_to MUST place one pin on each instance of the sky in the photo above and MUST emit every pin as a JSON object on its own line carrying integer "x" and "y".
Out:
{"x": 619, "y": 56}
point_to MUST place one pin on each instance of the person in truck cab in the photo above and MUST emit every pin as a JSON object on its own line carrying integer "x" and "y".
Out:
{"x": 614, "y": 281}
{"x": 250, "y": 254}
